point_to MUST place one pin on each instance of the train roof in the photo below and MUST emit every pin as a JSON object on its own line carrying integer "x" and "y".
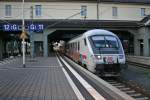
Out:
{"x": 98, "y": 32}
{"x": 93, "y": 32}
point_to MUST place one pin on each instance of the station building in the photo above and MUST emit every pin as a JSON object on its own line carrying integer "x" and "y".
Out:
{"x": 47, "y": 21}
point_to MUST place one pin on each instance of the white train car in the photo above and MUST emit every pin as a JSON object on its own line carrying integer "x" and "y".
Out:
{"x": 100, "y": 51}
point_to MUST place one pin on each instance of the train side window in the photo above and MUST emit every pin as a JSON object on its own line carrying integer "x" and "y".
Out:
{"x": 85, "y": 42}
{"x": 75, "y": 45}
{"x": 78, "y": 46}
{"x": 69, "y": 46}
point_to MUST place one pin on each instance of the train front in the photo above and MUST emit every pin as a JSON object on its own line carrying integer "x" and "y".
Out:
{"x": 108, "y": 54}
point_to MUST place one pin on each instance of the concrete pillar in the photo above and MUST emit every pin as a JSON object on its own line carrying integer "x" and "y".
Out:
{"x": 32, "y": 52}
{"x": 136, "y": 46}
{"x": 142, "y": 34}
{"x": 45, "y": 45}
{"x": 136, "y": 42}
{"x": 146, "y": 47}
{"x": 45, "y": 40}
{"x": 146, "y": 42}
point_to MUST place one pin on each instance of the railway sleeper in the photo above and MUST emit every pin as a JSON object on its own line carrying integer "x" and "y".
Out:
{"x": 117, "y": 84}
{"x": 125, "y": 89}
{"x": 135, "y": 94}
{"x": 131, "y": 91}
{"x": 121, "y": 86}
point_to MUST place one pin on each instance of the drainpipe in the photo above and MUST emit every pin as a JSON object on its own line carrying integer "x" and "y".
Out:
{"x": 97, "y": 9}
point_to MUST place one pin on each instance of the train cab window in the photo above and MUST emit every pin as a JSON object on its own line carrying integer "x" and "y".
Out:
{"x": 105, "y": 41}
{"x": 99, "y": 41}
{"x": 111, "y": 42}
{"x": 85, "y": 42}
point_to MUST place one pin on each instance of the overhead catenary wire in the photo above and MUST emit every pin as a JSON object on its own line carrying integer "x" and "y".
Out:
{"x": 26, "y": 9}
{"x": 52, "y": 25}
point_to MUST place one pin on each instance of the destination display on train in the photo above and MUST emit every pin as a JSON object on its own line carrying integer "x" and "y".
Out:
{"x": 15, "y": 27}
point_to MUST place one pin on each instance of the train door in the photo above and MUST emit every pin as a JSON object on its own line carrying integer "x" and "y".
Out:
{"x": 39, "y": 48}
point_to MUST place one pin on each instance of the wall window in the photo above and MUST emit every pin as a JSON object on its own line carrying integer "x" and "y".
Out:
{"x": 8, "y": 10}
{"x": 83, "y": 11}
{"x": 143, "y": 12}
{"x": 114, "y": 11}
{"x": 38, "y": 10}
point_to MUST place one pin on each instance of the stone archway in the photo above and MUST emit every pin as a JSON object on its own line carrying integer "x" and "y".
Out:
{"x": 127, "y": 40}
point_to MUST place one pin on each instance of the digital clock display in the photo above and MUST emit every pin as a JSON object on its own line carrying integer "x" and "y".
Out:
{"x": 15, "y": 27}
{"x": 10, "y": 27}
{"x": 36, "y": 27}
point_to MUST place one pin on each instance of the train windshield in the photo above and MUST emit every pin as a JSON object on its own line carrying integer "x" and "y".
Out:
{"x": 105, "y": 41}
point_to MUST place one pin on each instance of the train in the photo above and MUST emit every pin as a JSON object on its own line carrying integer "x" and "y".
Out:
{"x": 59, "y": 47}
{"x": 99, "y": 51}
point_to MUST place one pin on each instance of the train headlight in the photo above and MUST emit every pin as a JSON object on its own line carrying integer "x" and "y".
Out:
{"x": 121, "y": 56}
{"x": 98, "y": 57}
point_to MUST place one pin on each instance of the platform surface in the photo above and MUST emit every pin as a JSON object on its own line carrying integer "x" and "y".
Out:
{"x": 42, "y": 79}
{"x": 139, "y": 60}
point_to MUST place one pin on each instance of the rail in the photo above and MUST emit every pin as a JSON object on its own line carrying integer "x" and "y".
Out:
{"x": 118, "y": 90}
{"x": 98, "y": 82}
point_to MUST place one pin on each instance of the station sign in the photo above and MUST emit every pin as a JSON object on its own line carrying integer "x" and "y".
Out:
{"x": 10, "y": 27}
{"x": 16, "y": 27}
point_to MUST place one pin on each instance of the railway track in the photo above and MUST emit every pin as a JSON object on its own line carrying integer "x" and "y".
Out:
{"x": 129, "y": 88}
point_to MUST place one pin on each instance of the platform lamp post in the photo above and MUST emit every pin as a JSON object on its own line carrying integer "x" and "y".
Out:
{"x": 23, "y": 35}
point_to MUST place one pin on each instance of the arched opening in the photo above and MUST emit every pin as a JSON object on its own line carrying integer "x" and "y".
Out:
{"x": 127, "y": 40}
{"x": 64, "y": 35}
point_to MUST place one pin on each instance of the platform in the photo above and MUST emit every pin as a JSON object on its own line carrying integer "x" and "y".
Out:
{"x": 42, "y": 79}
{"x": 139, "y": 60}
